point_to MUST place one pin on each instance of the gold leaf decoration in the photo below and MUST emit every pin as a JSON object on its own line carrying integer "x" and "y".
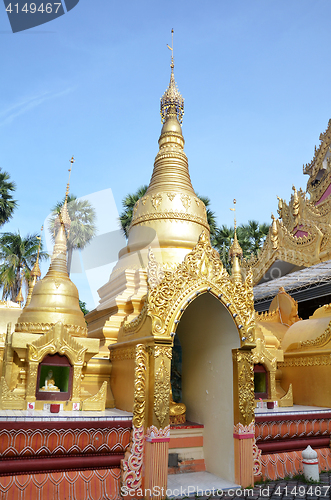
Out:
{"x": 162, "y": 393}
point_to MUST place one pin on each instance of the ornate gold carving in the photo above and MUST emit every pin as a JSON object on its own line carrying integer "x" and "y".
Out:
{"x": 197, "y": 201}
{"x": 155, "y": 272}
{"x": 287, "y": 399}
{"x": 123, "y": 353}
{"x": 10, "y": 400}
{"x": 271, "y": 316}
{"x": 316, "y": 360}
{"x": 73, "y": 330}
{"x": 144, "y": 199}
{"x": 172, "y": 102}
{"x": 98, "y": 401}
{"x": 320, "y": 341}
{"x": 313, "y": 167}
{"x": 32, "y": 381}
{"x": 163, "y": 351}
{"x": 132, "y": 463}
{"x": 309, "y": 217}
{"x": 162, "y": 393}
{"x": 171, "y": 196}
{"x": 139, "y": 405}
{"x": 168, "y": 215}
{"x": 201, "y": 268}
{"x": 156, "y": 200}
{"x": 132, "y": 326}
{"x": 274, "y": 233}
{"x": 57, "y": 340}
{"x": 186, "y": 200}
{"x": 244, "y": 360}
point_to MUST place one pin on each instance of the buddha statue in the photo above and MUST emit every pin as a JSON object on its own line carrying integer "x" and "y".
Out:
{"x": 177, "y": 411}
{"x": 50, "y": 383}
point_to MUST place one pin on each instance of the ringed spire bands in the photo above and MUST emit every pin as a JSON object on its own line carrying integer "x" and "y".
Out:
{"x": 170, "y": 209}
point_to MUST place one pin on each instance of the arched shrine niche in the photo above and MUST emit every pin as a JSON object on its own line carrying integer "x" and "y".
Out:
{"x": 208, "y": 334}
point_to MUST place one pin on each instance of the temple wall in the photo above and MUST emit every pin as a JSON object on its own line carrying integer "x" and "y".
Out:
{"x": 122, "y": 383}
{"x": 207, "y": 334}
{"x": 310, "y": 383}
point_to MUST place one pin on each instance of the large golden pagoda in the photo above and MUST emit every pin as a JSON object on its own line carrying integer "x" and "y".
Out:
{"x": 170, "y": 281}
{"x": 169, "y": 219}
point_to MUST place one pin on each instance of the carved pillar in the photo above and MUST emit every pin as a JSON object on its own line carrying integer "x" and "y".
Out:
{"x": 76, "y": 383}
{"x": 32, "y": 382}
{"x": 158, "y": 429}
{"x": 132, "y": 464}
{"x": 244, "y": 423}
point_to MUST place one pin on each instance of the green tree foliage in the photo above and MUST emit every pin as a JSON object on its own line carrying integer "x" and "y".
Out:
{"x": 251, "y": 237}
{"x": 82, "y": 228}
{"x": 7, "y": 204}
{"x": 83, "y": 308}
{"x": 17, "y": 257}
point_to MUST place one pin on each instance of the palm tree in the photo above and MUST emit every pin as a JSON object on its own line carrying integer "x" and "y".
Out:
{"x": 128, "y": 203}
{"x": 222, "y": 242}
{"x": 131, "y": 199}
{"x": 254, "y": 234}
{"x": 17, "y": 257}
{"x": 7, "y": 204}
{"x": 82, "y": 228}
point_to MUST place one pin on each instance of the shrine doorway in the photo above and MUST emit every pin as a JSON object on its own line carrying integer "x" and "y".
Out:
{"x": 207, "y": 334}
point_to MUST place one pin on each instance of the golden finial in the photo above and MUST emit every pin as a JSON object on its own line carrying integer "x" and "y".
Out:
{"x": 35, "y": 272}
{"x": 235, "y": 252}
{"x": 63, "y": 216}
{"x": 72, "y": 161}
{"x": 172, "y": 65}
{"x": 20, "y": 298}
{"x": 172, "y": 102}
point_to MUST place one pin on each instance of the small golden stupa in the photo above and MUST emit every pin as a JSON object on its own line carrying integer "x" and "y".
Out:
{"x": 47, "y": 356}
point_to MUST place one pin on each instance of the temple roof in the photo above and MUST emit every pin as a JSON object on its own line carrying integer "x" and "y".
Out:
{"x": 314, "y": 281}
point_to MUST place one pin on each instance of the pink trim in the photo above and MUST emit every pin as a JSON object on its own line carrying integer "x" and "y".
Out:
{"x": 310, "y": 463}
{"x": 326, "y": 193}
{"x": 243, "y": 436}
{"x": 299, "y": 232}
{"x": 157, "y": 440}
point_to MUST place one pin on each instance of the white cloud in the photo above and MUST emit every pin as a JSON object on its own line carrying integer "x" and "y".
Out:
{"x": 28, "y": 103}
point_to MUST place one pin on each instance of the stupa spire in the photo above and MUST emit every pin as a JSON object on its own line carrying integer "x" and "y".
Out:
{"x": 55, "y": 298}
{"x": 235, "y": 252}
{"x": 170, "y": 213}
{"x": 35, "y": 273}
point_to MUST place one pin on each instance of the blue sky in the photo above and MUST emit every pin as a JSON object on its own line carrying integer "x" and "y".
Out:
{"x": 255, "y": 76}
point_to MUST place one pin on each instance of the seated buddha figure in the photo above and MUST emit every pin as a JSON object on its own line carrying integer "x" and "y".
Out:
{"x": 50, "y": 383}
{"x": 177, "y": 411}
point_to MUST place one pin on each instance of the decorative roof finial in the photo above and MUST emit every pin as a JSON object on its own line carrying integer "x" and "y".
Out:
{"x": 35, "y": 273}
{"x": 20, "y": 298}
{"x": 235, "y": 252}
{"x": 63, "y": 217}
{"x": 172, "y": 102}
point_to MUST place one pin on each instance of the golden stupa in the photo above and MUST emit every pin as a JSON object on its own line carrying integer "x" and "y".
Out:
{"x": 51, "y": 336}
{"x": 54, "y": 298}
{"x": 169, "y": 218}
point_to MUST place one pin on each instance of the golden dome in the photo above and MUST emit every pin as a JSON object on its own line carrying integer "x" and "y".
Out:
{"x": 170, "y": 217}
{"x": 54, "y": 298}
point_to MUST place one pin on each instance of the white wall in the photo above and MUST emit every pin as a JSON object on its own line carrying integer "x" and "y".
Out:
{"x": 208, "y": 334}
